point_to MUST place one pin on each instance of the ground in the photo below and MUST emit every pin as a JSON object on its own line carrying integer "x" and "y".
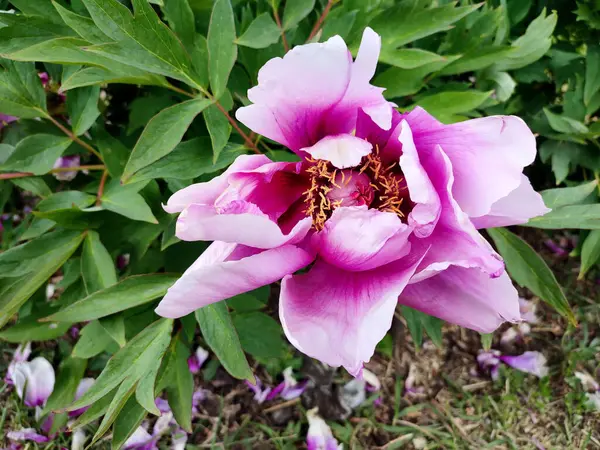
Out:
{"x": 455, "y": 407}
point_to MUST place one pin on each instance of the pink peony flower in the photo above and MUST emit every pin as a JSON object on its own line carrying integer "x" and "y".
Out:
{"x": 319, "y": 435}
{"x": 34, "y": 381}
{"x": 534, "y": 363}
{"x": 386, "y": 206}
{"x": 197, "y": 360}
{"x": 6, "y": 119}
{"x": 66, "y": 162}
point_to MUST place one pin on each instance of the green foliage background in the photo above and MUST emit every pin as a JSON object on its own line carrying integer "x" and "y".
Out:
{"x": 151, "y": 86}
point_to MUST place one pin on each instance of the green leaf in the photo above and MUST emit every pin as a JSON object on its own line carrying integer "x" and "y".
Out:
{"x": 37, "y": 228}
{"x": 36, "y": 154}
{"x": 219, "y": 129}
{"x": 142, "y": 109}
{"x": 93, "y": 340}
{"x": 128, "y": 420}
{"x": 583, "y": 217}
{"x": 31, "y": 330}
{"x": 70, "y": 373}
{"x": 189, "y": 160}
{"x": 414, "y": 324}
{"x": 555, "y": 198}
{"x": 592, "y": 73}
{"x": 246, "y": 302}
{"x": 96, "y": 410}
{"x": 97, "y": 266}
{"x": 477, "y": 59}
{"x": 56, "y": 249}
{"x": 35, "y": 185}
{"x": 125, "y": 391}
{"x": 408, "y": 58}
{"x": 115, "y": 326}
{"x": 295, "y": 11}
{"x": 127, "y": 202}
{"x": 130, "y": 292}
{"x": 564, "y": 124}
{"x": 222, "y": 51}
{"x": 433, "y": 327}
{"x": 37, "y": 8}
{"x": 180, "y": 388}
{"x": 82, "y": 105}
{"x": 66, "y": 200}
{"x": 114, "y": 153}
{"x": 199, "y": 55}
{"x": 486, "y": 341}
{"x": 145, "y": 391}
{"x": 534, "y": 44}
{"x": 260, "y": 335}
{"x": 400, "y": 82}
{"x": 148, "y": 42}
{"x": 261, "y": 33}
{"x": 405, "y": 23}
{"x": 21, "y": 91}
{"x": 529, "y": 270}
{"x": 590, "y": 252}
{"x": 162, "y": 134}
{"x": 220, "y": 335}
{"x": 338, "y": 23}
{"x": 83, "y": 26}
{"x": 448, "y": 102}
{"x": 129, "y": 362}
{"x": 90, "y": 76}
{"x": 505, "y": 85}
{"x": 180, "y": 17}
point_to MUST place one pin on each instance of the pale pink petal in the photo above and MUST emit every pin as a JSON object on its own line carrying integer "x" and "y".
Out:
{"x": 338, "y": 317}
{"x": 342, "y": 150}
{"x": 203, "y": 284}
{"x": 238, "y": 222}
{"x": 427, "y": 208}
{"x": 487, "y": 155}
{"x": 27, "y": 434}
{"x": 34, "y": 381}
{"x": 84, "y": 385}
{"x": 455, "y": 241}
{"x": 357, "y": 238}
{"x": 294, "y": 93}
{"x": 140, "y": 439}
{"x": 207, "y": 193}
{"x": 319, "y": 436}
{"x": 466, "y": 297}
{"x": 361, "y": 94}
{"x": 517, "y": 207}
{"x": 22, "y": 353}
{"x": 534, "y": 363}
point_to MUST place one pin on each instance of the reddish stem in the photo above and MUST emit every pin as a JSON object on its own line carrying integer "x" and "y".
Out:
{"x": 101, "y": 188}
{"x": 9, "y": 176}
{"x": 319, "y": 22}
{"x": 236, "y": 127}
{"x": 286, "y": 47}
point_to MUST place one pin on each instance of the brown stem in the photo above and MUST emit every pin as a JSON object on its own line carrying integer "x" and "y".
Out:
{"x": 101, "y": 188}
{"x": 231, "y": 120}
{"x": 319, "y": 22}
{"x": 286, "y": 46}
{"x": 12, "y": 175}
{"x": 74, "y": 138}
{"x": 237, "y": 128}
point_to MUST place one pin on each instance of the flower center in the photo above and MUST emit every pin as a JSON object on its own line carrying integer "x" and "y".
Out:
{"x": 371, "y": 184}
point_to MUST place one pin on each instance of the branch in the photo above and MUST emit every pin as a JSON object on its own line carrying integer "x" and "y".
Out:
{"x": 12, "y": 175}
{"x": 286, "y": 46}
{"x": 319, "y": 22}
{"x": 101, "y": 188}
{"x": 73, "y": 137}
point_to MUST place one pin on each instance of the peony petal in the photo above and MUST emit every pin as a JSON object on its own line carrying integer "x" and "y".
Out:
{"x": 208, "y": 281}
{"x": 487, "y": 154}
{"x": 34, "y": 381}
{"x": 84, "y": 385}
{"x": 357, "y": 238}
{"x": 342, "y": 150}
{"x": 140, "y": 439}
{"x": 239, "y": 222}
{"x": 516, "y": 208}
{"x": 319, "y": 435}
{"x": 466, "y": 297}
{"x": 27, "y": 434}
{"x": 78, "y": 439}
{"x": 207, "y": 193}
{"x": 455, "y": 241}
{"x": 338, "y": 317}
{"x": 534, "y": 363}
{"x": 296, "y": 92}
{"x": 427, "y": 209}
